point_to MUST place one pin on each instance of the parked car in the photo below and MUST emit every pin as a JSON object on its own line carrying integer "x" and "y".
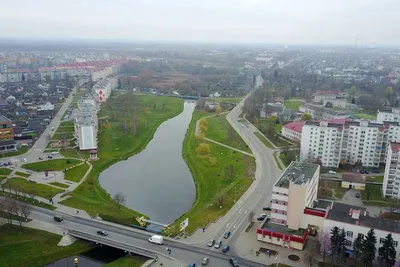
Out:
{"x": 192, "y": 264}
{"x": 49, "y": 157}
{"x": 40, "y": 158}
{"x": 211, "y": 243}
{"x": 225, "y": 249}
{"x": 227, "y": 235}
{"x": 102, "y": 232}
{"x": 24, "y": 160}
{"x": 262, "y": 217}
{"x": 266, "y": 208}
{"x": 205, "y": 261}
{"x": 358, "y": 195}
{"x": 218, "y": 245}
{"x": 233, "y": 262}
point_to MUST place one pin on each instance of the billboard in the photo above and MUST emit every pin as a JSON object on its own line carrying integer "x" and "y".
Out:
{"x": 184, "y": 224}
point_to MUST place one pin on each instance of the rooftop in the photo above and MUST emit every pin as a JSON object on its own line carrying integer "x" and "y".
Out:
{"x": 296, "y": 126}
{"x": 354, "y": 177}
{"x": 282, "y": 229}
{"x": 4, "y": 119}
{"x": 357, "y": 216}
{"x": 322, "y": 204}
{"x": 297, "y": 173}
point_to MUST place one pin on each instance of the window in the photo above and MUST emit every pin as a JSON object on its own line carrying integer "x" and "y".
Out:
{"x": 381, "y": 240}
{"x": 347, "y": 243}
{"x": 349, "y": 234}
{"x": 361, "y": 236}
{"x": 395, "y": 243}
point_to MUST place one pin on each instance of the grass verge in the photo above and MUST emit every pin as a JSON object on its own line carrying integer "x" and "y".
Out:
{"x": 22, "y": 174}
{"x": 114, "y": 146}
{"x": 262, "y": 139}
{"x": 221, "y": 131}
{"x": 277, "y": 162}
{"x": 293, "y": 105}
{"x": 76, "y": 174}
{"x": 34, "y": 248}
{"x": 27, "y": 200}
{"x": 60, "y": 185}
{"x": 21, "y": 151}
{"x": 40, "y": 190}
{"x": 54, "y": 165}
{"x": 5, "y": 171}
{"x": 219, "y": 181}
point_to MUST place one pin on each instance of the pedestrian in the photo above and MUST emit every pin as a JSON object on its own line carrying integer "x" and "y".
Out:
{"x": 204, "y": 229}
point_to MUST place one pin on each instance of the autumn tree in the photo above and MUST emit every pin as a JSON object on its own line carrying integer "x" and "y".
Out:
{"x": 203, "y": 149}
{"x": 306, "y": 117}
{"x": 120, "y": 199}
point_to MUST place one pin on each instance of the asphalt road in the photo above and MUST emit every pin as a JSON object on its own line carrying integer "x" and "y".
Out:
{"x": 180, "y": 251}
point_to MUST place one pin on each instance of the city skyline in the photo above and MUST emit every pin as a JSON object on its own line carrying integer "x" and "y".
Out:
{"x": 222, "y": 21}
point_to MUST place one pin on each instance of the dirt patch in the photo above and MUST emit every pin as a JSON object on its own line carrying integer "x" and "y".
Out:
{"x": 293, "y": 257}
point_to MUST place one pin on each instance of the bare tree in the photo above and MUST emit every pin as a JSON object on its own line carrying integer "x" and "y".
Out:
{"x": 368, "y": 191}
{"x": 17, "y": 212}
{"x": 119, "y": 198}
{"x": 2, "y": 205}
{"x": 25, "y": 211}
{"x": 9, "y": 210}
{"x": 251, "y": 216}
{"x": 325, "y": 245}
{"x": 220, "y": 199}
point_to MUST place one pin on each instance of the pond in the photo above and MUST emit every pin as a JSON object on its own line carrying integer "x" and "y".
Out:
{"x": 157, "y": 182}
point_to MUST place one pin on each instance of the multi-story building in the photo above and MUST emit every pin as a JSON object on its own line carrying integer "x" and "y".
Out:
{"x": 293, "y": 130}
{"x": 85, "y": 123}
{"x": 321, "y": 96}
{"x": 104, "y": 87}
{"x": 391, "y": 114}
{"x": 7, "y": 142}
{"x": 391, "y": 179}
{"x": 294, "y": 207}
{"x": 353, "y": 142}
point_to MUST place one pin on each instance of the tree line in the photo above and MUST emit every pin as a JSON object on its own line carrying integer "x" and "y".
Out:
{"x": 13, "y": 210}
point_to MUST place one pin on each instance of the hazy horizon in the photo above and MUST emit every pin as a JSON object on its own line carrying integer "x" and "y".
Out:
{"x": 291, "y": 22}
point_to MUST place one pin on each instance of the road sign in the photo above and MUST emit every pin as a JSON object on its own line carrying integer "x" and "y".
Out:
{"x": 184, "y": 224}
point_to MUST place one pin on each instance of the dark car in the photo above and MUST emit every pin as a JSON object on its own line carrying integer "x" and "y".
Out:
{"x": 40, "y": 158}
{"x": 58, "y": 219}
{"x": 102, "y": 232}
{"x": 362, "y": 171}
{"x": 211, "y": 243}
{"x": 233, "y": 262}
{"x": 218, "y": 245}
{"x": 225, "y": 249}
{"x": 358, "y": 195}
{"x": 267, "y": 208}
{"x": 192, "y": 264}
{"x": 261, "y": 217}
{"x": 49, "y": 157}
{"x": 227, "y": 234}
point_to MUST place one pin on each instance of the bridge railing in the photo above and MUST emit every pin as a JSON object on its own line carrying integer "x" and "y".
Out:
{"x": 113, "y": 243}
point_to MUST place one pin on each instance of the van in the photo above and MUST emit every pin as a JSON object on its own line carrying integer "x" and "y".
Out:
{"x": 156, "y": 239}
{"x": 58, "y": 219}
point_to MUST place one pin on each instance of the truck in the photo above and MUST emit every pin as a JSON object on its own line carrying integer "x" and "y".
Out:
{"x": 156, "y": 239}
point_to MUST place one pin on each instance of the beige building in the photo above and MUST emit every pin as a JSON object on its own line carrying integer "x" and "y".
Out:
{"x": 353, "y": 181}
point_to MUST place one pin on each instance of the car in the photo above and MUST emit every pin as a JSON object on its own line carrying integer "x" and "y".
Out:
{"x": 218, "y": 245}
{"x": 362, "y": 171}
{"x": 9, "y": 163}
{"x": 332, "y": 172}
{"x": 102, "y": 232}
{"x": 40, "y": 158}
{"x": 225, "y": 249}
{"x": 49, "y": 157}
{"x": 24, "y": 160}
{"x": 205, "y": 261}
{"x": 227, "y": 235}
{"x": 260, "y": 218}
{"x": 211, "y": 243}
{"x": 233, "y": 262}
{"x": 266, "y": 208}
{"x": 358, "y": 195}
{"x": 192, "y": 264}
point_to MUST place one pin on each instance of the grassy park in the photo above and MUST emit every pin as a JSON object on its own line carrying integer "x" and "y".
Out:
{"x": 118, "y": 143}
{"x": 221, "y": 131}
{"x": 34, "y": 248}
{"x": 22, "y": 174}
{"x": 40, "y": 190}
{"x": 221, "y": 176}
{"x": 76, "y": 174}
{"x": 54, "y": 165}
{"x": 293, "y": 104}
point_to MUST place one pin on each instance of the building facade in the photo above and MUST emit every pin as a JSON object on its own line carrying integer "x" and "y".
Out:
{"x": 293, "y": 130}
{"x": 392, "y": 114}
{"x": 391, "y": 179}
{"x": 352, "y": 142}
{"x": 7, "y": 143}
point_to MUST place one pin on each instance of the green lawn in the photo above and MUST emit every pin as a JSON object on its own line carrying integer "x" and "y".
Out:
{"x": 378, "y": 179}
{"x": 40, "y": 190}
{"x": 262, "y": 138}
{"x": 65, "y": 129}
{"x": 365, "y": 116}
{"x": 59, "y": 136}
{"x": 221, "y": 131}
{"x": 76, "y": 174}
{"x": 60, "y": 185}
{"x": 28, "y": 200}
{"x": 67, "y": 124}
{"x": 228, "y": 99}
{"x": 114, "y": 146}
{"x": 33, "y": 248}
{"x": 213, "y": 180}
{"x": 293, "y": 105}
{"x": 2, "y": 177}
{"x": 375, "y": 195}
{"x": 284, "y": 160}
{"x": 22, "y": 174}
{"x": 54, "y": 165}
{"x": 277, "y": 162}
{"x": 5, "y": 171}
{"x": 20, "y": 151}
{"x": 128, "y": 261}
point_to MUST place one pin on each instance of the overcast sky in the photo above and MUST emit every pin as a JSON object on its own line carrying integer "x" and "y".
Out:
{"x": 262, "y": 21}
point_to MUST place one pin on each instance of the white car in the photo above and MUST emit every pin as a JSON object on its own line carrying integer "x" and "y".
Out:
{"x": 24, "y": 160}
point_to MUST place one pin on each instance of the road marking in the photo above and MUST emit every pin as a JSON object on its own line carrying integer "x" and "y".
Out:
{"x": 228, "y": 225}
{"x": 240, "y": 211}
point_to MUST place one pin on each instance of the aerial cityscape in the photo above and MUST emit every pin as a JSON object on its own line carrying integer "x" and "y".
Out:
{"x": 150, "y": 145}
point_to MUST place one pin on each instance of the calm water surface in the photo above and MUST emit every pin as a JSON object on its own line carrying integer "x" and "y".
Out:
{"x": 157, "y": 182}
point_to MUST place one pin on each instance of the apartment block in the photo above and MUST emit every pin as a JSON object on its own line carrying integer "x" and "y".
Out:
{"x": 391, "y": 114}
{"x": 391, "y": 180}
{"x": 353, "y": 142}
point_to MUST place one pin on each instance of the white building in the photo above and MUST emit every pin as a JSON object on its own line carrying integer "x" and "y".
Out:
{"x": 391, "y": 180}
{"x": 336, "y": 103}
{"x": 355, "y": 221}
{"x": 353, "y": 142}
{"x": 392, "y": 114}
{"x": 293, "y": 130}
{"x": 47, "y": 106}
{"x": 104, "y": 87}
{"x": 85, "y": 131}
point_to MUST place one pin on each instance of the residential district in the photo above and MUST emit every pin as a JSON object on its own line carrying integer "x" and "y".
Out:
{"x": 321, "y": 123}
